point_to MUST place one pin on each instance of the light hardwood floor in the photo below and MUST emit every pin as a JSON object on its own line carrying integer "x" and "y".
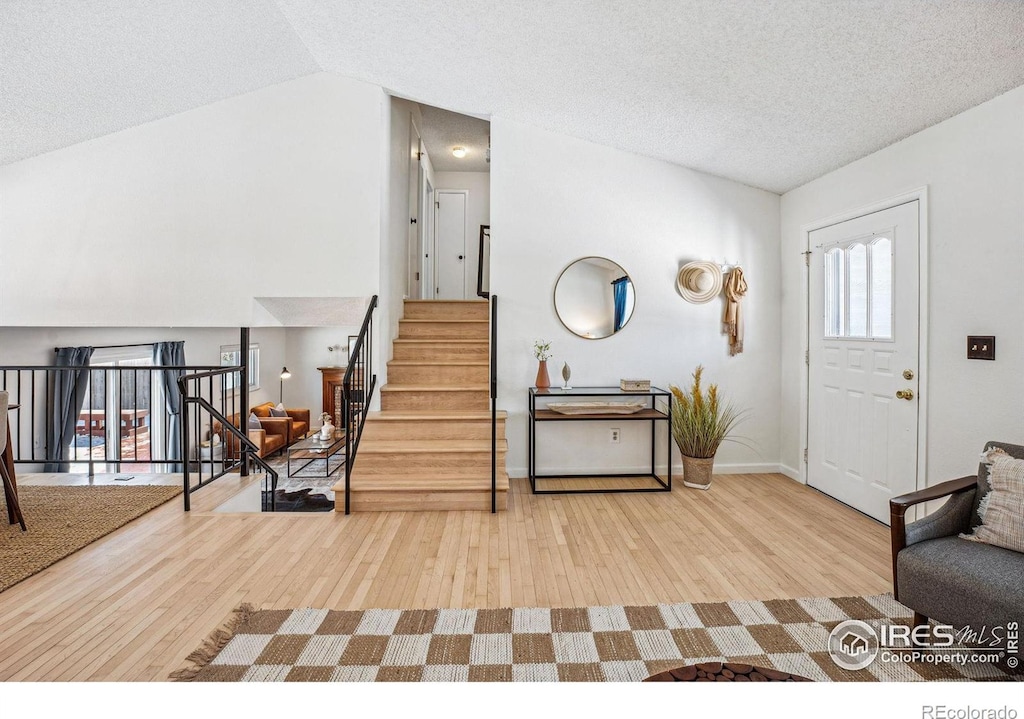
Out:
{"x": 132, "y": 605}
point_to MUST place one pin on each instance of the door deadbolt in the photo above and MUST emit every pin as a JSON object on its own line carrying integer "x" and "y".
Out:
{"x": 907, "y": 394}
{"x": 908, "y": 374}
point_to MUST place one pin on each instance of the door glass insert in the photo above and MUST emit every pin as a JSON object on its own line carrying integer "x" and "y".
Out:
{"x": 858, "y": 289}
{"x": 858, "y": 278}
{"x": 881, "y": 288}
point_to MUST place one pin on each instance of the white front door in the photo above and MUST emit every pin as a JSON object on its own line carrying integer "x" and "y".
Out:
{"x": 863, "y": 359}
{"x": 450, "y": 243}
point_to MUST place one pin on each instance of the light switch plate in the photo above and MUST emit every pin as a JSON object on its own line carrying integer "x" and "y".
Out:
{"x": 981, "y": 347}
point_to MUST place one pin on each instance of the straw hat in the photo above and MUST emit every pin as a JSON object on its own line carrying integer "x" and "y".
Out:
{"x": 699, "y": 282}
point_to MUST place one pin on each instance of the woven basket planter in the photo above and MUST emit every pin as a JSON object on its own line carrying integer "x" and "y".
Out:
{"x": 697, "y": 472}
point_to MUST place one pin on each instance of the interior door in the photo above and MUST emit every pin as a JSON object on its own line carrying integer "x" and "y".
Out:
{"x": 426, "y": 264}
{"x": 863, "y": 359}
{"x": 415, "y": 208}
{"x": 450, "y": 243}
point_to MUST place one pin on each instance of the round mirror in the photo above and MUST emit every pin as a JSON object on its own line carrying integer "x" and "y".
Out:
{"x": 594, "y": 298}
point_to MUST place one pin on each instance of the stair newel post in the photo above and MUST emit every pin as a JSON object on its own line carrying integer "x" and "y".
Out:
{"x": 243, "y": 393}
{"x": 186, "y": 480}
{"x": 494, "y": 403}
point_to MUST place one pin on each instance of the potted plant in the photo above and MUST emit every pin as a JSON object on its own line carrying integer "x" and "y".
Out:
{"x": 701, "y": 421}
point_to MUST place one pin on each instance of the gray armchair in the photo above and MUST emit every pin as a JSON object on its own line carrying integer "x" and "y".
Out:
{"x": 952, "y": 580}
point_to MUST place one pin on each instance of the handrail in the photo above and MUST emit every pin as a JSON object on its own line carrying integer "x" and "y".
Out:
{"x": 361, "y": 357}
{"x": 494, "y": 404}
{"x": 247, "y": 448}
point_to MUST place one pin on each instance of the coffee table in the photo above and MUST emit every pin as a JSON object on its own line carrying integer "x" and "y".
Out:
{"x": 309, "y": 450}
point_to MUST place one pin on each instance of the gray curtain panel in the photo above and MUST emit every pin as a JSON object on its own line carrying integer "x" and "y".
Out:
{"x": 171, "y": 354}
{"x": 68, "y": 389}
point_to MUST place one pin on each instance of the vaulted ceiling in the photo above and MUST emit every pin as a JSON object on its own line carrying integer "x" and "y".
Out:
{"x": 771, "y": 93}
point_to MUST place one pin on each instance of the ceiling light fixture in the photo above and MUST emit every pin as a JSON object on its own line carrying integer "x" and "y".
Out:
{"x": 459, "y": 152}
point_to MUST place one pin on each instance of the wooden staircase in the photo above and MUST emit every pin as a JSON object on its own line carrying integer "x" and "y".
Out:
{"x": 429, "y": 448}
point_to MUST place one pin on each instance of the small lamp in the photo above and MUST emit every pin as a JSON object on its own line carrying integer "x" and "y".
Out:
{"x": 285, "y": 374}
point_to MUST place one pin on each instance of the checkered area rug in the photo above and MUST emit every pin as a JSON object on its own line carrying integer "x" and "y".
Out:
{"x": 611, "y": 643}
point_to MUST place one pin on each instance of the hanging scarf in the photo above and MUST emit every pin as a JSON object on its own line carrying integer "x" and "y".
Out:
{"x": 735, "y": 288}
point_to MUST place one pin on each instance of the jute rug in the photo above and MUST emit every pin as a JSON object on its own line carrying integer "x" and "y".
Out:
{"x": 612, "y": 643}
{"x": 62, "y": 520}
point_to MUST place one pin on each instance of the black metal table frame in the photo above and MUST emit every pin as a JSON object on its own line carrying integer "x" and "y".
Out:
{"x": 325, "y": 455}
{"x": 665, "y": 485}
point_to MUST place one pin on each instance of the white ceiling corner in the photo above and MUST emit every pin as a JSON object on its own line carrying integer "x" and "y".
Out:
{"x": 73, "y": 71}
{"x": 315, "y": 311}
{"x": 771, "y": 93}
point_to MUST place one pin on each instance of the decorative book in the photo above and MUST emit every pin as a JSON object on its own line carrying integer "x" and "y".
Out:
{"x": 635, "y": 385}
{"x": 597, "y": 407}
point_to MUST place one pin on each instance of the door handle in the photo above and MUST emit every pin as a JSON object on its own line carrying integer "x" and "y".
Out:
{"x": 460, "y": 257}
{"x": 907, "y": 394}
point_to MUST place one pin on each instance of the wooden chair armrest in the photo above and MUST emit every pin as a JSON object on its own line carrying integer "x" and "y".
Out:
{"x": 898, "y": 507}
{"x": 904, "y": 502}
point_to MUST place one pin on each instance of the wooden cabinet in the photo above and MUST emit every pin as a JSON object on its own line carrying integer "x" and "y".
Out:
{"x": 332, "y": 391}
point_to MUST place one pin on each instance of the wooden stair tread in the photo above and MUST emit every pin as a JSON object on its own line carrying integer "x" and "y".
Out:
{"x": 442, "y": 302}
{"x": 408, "y": 415}
{"x": 434, "y": 388}
{"x": 436, "y": 340}
{"x": 442, "y": 363}
{"x": 444, "y": 320}
{"x": 390, "y": 483}
{"x": 440, "y": 446}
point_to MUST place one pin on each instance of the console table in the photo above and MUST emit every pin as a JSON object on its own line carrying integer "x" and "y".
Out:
{"x": 540, "y": 415}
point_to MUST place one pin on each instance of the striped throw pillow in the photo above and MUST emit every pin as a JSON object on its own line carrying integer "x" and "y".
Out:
{"x": 1002, "y": 509}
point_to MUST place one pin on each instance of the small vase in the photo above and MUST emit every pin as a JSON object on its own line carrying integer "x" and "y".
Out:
{"x": 327, "y": 431}
{"x": 543, "y": 381}
{"x": 697, "y": 472}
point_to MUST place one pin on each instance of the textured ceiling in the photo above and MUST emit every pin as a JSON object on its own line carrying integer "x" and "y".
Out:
{"x": 772, "y": 93}
{"x": 72, "y": 71}
{"x": 315, "y": 311}
{"x": 443, "y": 130}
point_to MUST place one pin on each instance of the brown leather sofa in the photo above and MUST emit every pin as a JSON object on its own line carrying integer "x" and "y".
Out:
{"x": 297, "y": 420}
{"x": 276, "y": 432}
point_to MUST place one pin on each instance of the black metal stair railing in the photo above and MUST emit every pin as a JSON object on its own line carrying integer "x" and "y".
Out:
{"x": 357, "y": 393}
{"x": 191, "y": 386}
{"x": 494, "y": 403}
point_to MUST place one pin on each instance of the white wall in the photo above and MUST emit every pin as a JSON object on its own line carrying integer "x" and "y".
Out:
{"x": 305, "y": 350}
{"x": 556, "y": 199}
{"x": 184, "y": 220}
{"x": 973, "y": 166}
{"x": 394, "y": 249}
{"x": 478, "y": 212}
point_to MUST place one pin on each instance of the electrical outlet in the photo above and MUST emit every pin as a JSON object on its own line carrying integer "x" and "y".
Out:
{"x": 615, "y": 436}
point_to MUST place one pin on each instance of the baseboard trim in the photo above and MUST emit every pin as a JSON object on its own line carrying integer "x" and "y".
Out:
{"x": 791, "y": 473}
